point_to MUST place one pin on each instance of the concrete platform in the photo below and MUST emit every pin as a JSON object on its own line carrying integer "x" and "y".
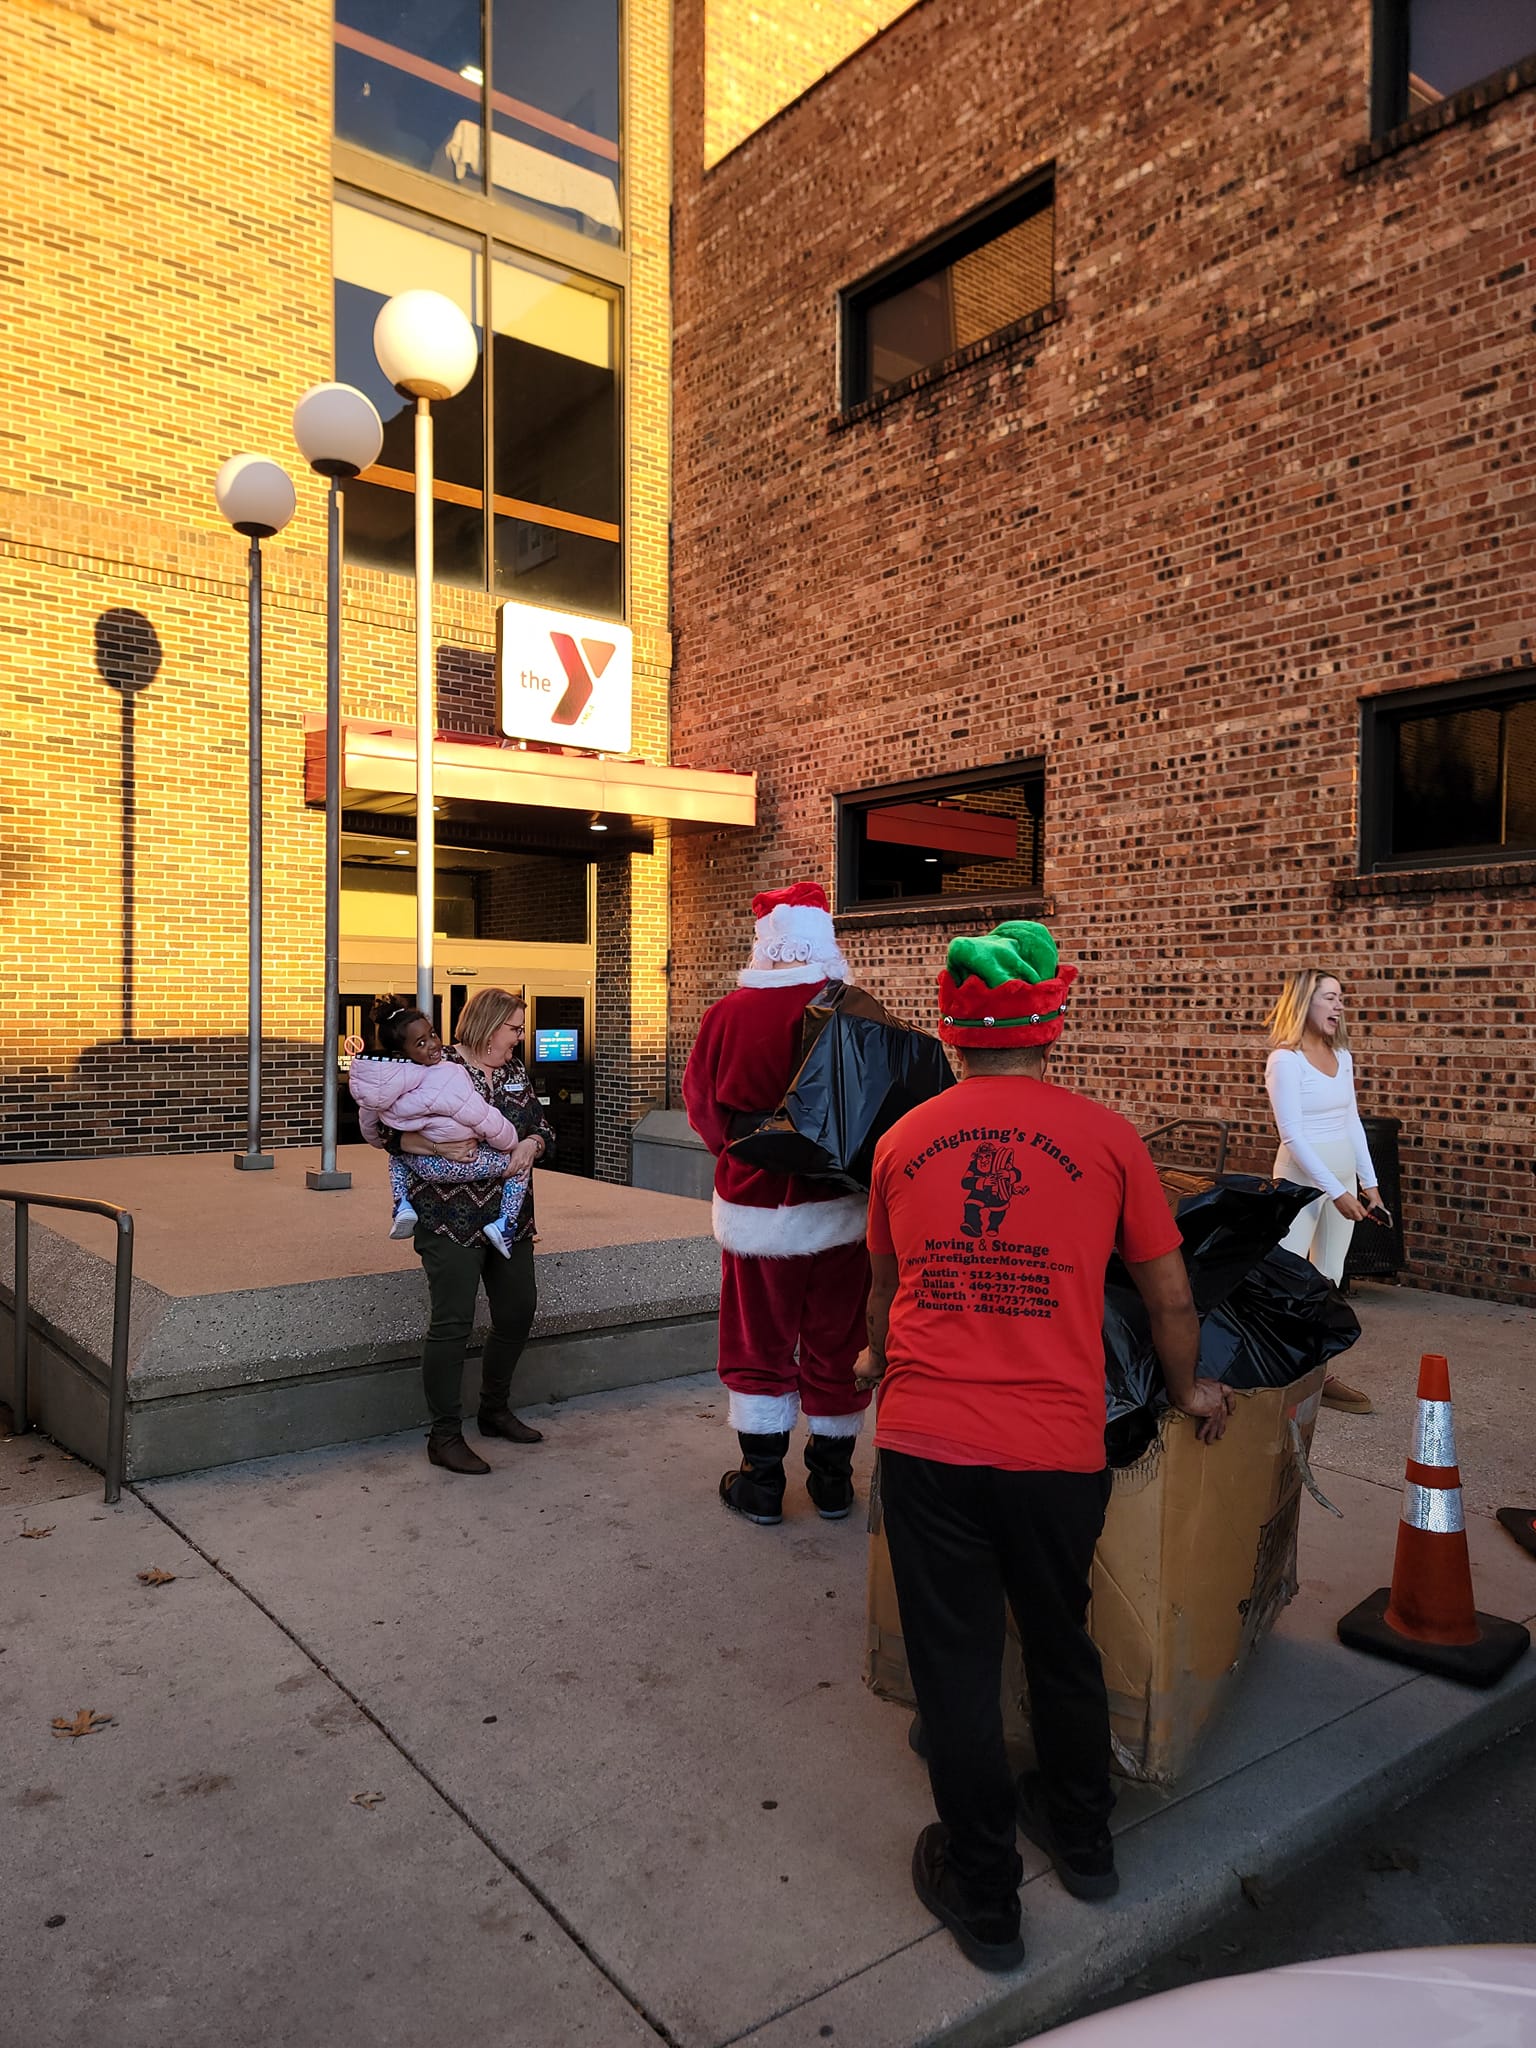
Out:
{"x": 270, "y": 1318}
{"x": 634, "y": 1787}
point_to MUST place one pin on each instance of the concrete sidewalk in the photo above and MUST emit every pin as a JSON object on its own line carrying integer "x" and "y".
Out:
{"x": 633, "y": 1785}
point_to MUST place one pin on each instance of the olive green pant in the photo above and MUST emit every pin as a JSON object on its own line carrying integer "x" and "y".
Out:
{"x": 455, "y": 1273}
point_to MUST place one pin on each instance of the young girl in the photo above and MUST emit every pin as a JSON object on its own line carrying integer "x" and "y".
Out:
{"x": 413, "y": 1088}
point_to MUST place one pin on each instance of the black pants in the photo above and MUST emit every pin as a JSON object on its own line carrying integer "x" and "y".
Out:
{"x": 455, "y": 1273}
{"x": 962, "y": 1539}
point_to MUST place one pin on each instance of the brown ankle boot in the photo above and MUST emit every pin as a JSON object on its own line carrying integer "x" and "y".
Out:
{"x": 502, "y": 1422}
{"x": 454, "y": 1455}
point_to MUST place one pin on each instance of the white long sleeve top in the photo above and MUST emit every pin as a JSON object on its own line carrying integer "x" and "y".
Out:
{"x": 1311, "y": 1108}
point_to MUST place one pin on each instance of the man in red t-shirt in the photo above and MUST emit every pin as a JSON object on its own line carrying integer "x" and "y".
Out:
{"x": 993, "y": 1212}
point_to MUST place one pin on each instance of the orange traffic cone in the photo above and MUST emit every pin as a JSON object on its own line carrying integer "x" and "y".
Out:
{"x": 1427, "y": 1617}
{"x": 1521, "y": 1524}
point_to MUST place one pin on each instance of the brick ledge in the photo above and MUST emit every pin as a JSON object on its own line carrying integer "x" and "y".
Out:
{"x": 970, "y": 911}
{"x": 1518, "y": 874}
{"x": 933, "y": 373}
{"x": 1449, "y": 113}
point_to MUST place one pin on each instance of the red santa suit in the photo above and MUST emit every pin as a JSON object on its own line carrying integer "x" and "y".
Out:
{"x": 794, "y": 1273}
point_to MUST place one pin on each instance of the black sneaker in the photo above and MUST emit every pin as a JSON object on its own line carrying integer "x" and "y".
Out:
{"x": 989, "y": 1937}
{"x": 1087, "y": 1873}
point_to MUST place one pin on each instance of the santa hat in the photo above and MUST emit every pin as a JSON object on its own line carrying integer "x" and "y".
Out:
{"x": 1004, "y": 988}
{"x": 795, "y": 941}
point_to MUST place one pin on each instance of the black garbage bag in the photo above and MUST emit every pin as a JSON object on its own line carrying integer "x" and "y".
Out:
{"x": 1279, "y": 1321}
{"x": 860, "y": 1069}
{"x": 1263, "y": 1323}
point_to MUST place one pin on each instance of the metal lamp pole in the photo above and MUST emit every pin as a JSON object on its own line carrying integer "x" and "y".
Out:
{"x": 428, "y": 349}
{"x": 257, "y": 498}
{"x": 339, "y": 433}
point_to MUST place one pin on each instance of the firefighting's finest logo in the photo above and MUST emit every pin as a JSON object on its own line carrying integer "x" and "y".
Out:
{"x": 989, "y": 1183}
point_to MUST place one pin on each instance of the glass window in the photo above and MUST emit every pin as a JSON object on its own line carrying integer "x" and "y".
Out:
{"x": 555, "y": 111}
{"x": 480, "y": 892}
{"x": 1452, "y": 44}
{"x": 411, "y": 86}
{"x": 1455, "y": 781}
{"x": 557, "y": 439}
{"x": 977, "y": 837}
{"x": 378, "y": 253}
{"x": 975, "y": 282}
{"x": 410, "y": 83}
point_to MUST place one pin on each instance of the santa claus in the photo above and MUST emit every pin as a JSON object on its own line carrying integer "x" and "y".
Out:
{"x": 794, "y": 1274}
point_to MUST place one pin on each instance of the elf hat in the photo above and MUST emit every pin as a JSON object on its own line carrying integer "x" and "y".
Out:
{"x": 1004, "y": 988}
{"x": 794, "y": 927}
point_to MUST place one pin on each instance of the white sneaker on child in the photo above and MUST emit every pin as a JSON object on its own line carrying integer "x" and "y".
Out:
{"x": 405, "y": 1221}
{"x": 497, "y": 1237}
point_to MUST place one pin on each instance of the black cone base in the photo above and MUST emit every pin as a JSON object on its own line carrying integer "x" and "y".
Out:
{"x": 1499, "y": 1645}
{"x": 1521, "y": 1524}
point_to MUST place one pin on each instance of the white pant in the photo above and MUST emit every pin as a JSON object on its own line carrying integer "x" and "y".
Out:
{"x": 1320, "y": 1233}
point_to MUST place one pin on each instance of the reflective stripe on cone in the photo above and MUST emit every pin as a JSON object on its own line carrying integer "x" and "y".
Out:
{"x": 1432, "y": 1573}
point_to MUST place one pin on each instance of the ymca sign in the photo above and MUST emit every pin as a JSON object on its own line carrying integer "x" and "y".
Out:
{"x": 565, "y": 678}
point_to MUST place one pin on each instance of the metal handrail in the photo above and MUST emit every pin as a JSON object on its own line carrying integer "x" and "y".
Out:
{"x": 1196, "y": 1123}
{"x": 122, "y": 1296}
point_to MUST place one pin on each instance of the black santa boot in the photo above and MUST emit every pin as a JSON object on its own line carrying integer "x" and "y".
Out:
{"x": 829, "y": 1474}
{"x": 755, "y": 1490}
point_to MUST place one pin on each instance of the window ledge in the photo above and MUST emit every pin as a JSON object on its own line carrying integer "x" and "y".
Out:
{"x": 1516, "y": 874}
{"x": 1448, "y": 113}
{"x": 932, "y": 373}
{"x": 967, "y": 910}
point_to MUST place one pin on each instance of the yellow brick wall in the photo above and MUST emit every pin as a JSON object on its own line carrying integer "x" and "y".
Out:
{"x": 758, "y": 57}
{"x": 168, "y": 220}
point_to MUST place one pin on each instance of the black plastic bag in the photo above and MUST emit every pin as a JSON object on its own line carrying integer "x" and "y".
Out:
{"x": 860, "y": 1069}
{"x": 1266, "y": 1316}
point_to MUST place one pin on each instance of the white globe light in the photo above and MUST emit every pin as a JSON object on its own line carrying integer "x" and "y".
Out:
{"x": 425, "y": 345}
{"x": 338, "y": 430}
{"x": 255, "y": 495}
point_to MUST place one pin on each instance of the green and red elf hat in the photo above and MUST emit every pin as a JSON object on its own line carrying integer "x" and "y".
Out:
{"x": 1004, "y": 988}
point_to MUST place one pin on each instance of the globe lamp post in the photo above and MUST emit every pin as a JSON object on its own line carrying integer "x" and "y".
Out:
{"x": 257, "y": 497}
{"x": 427, "y": 349}
{"x": 339, "y": 434}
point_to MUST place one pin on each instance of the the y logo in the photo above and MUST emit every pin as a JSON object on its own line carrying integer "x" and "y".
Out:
{"x": 580, "y": 676}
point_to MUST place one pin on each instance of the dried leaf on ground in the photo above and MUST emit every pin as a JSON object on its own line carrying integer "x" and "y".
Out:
{"x": 35, "y": 1533}
{"x": 1393, "y": 1859}
{"x": 369, "y": 1800}
{"x": 85, "y": 1722}
{"x": 155, "y": 1577}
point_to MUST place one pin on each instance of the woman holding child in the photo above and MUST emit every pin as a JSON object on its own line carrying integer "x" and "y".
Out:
{"x": 468, "y": 1231}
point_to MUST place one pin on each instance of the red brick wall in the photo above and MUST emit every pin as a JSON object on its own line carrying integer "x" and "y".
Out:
{"x": 1273, "y": 456}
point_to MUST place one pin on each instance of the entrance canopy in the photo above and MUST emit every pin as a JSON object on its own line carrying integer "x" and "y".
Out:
{"x": 562, "y": 802}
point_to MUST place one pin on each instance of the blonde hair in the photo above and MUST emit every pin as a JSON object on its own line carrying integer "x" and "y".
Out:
{"x": 1287, "y": 1021}
{"x": 484, "y": 1014}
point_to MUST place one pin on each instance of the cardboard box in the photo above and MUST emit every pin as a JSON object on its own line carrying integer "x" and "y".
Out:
{"x": 1197, "y": 1558}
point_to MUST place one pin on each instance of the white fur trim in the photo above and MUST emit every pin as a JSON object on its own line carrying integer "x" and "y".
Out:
{"x": 794, "y": 977}
{"x": 790, "y": 1232}
{"x": 835, "y": 1425}
{"x": 763, "y": 1414}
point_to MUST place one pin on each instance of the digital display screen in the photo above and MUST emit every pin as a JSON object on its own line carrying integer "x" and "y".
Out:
{"x": 556, "y": 1048}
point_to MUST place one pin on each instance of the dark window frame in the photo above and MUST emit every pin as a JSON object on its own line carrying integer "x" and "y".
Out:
{"x": 852, "y": 804}
{"x": 1032, "y": 195}
{"x": 1380, "y": 718}
{"x": 1390, "y": 49}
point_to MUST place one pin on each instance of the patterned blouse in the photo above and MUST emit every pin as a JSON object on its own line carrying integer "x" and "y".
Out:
{"x": 461, "y": 1209}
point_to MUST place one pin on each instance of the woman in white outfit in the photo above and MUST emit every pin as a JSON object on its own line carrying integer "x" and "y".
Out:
{"x": 1311, "y": 1082}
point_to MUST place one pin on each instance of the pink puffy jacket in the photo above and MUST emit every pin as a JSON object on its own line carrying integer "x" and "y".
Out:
{"x": 440, "y": 1102}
